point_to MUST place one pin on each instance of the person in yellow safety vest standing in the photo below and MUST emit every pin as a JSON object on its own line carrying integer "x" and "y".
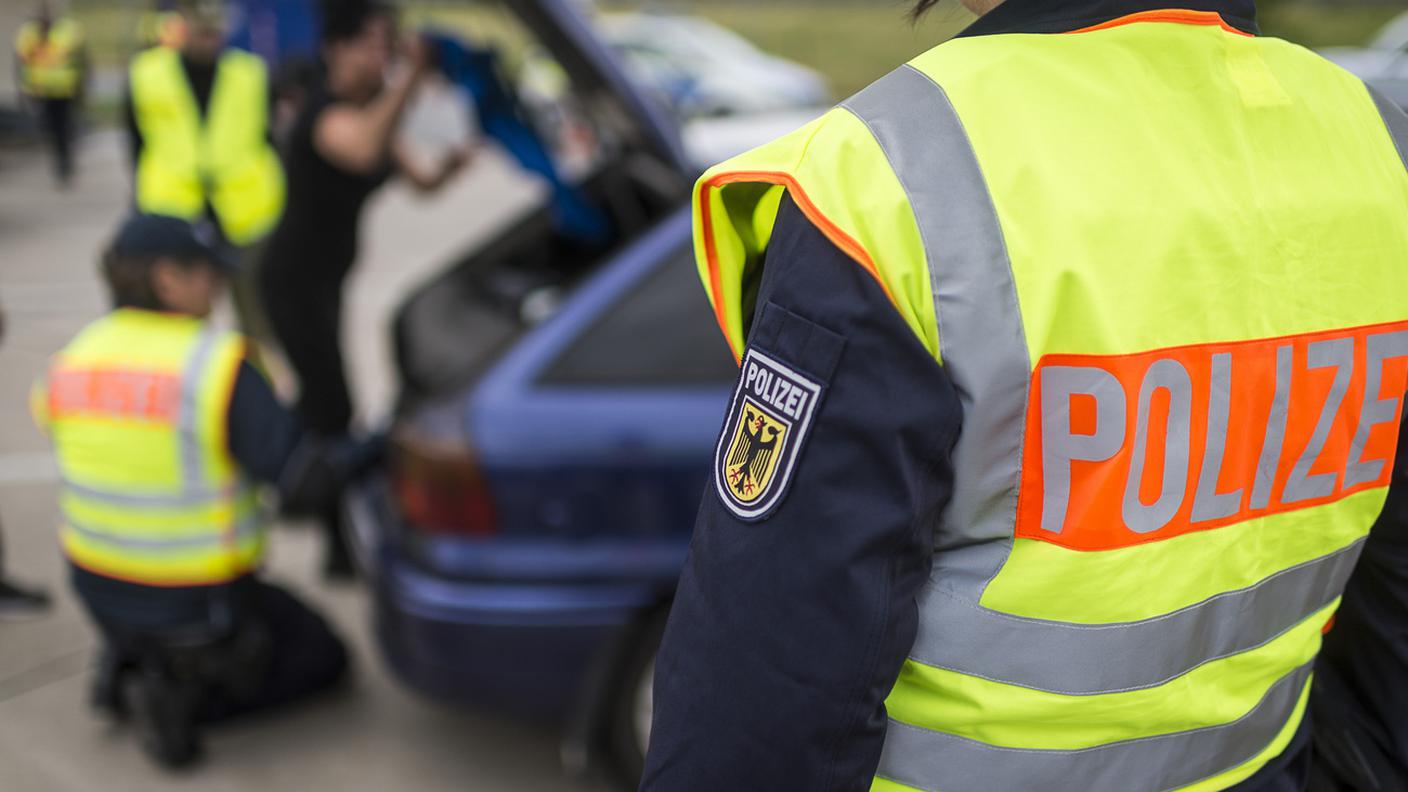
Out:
{"x": 53, "y": 70}
{"x": 162, "y": 431}
{"x": 198, "y": 120}
{"x": 1073, "y": 355}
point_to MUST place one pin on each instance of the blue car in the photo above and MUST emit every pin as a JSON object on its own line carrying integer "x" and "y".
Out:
{"x": 559, "y": 404}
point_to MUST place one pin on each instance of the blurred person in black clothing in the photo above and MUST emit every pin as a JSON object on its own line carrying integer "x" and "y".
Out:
{"x": 342, "y": 147}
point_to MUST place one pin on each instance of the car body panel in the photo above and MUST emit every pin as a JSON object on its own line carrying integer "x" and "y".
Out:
{"x": 594, "y": 484}
{"x": 595, "y": 488}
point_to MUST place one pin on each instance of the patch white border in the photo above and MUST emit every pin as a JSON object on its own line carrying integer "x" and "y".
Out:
{"x": 801, "y": 428}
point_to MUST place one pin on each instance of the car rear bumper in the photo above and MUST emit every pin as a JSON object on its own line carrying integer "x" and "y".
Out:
{"x": 526, "y": 647}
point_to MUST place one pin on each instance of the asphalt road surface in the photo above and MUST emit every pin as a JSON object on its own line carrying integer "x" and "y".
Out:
{"x": 376, "y": 736}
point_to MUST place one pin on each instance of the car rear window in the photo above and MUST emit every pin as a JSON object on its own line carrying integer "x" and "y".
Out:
{"x": 659, "y": 333}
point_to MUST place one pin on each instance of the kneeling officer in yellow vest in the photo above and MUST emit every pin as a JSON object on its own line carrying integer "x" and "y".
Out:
{"x": 162, "y": 430}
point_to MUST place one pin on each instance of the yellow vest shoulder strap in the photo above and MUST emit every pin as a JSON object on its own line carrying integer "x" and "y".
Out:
{"x": 840, "y": 179}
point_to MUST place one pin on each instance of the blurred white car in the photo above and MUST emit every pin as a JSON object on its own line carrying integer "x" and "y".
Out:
{"x": 1384, "y": 63}
{"x": 706, "y": 70}
{"x": 711, "y": 140}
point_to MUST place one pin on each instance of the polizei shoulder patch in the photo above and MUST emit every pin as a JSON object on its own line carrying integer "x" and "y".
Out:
{"x": 767, "y": 423}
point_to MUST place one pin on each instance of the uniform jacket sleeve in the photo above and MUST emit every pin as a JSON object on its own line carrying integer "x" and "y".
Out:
{"x": 787, "y": 632}
{"x": 269, "y": 442}
{"x": 263, "y": 432}
{"x": 1360, "y": 698}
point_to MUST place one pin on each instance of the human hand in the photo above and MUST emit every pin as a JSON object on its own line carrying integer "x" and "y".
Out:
{"x": 419, "y": 53}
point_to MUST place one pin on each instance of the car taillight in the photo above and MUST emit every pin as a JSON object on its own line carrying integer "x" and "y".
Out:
{"x": 439, "y": 486}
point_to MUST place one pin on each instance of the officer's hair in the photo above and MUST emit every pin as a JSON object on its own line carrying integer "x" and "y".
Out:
{"x": 344, "y": 19}
{"x": 921, "y": 8}
{"x": 129, "y": 278}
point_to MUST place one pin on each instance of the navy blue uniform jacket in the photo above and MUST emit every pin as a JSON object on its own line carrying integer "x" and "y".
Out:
{"x": 788, "y": 632}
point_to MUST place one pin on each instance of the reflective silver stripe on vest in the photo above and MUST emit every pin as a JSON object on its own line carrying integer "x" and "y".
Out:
{"x": 981, "y": 340}
{"x": 192, "y": 379}
{"x": 1090, "y": 659}
{"x": 916, "y": 757}
{"x": 1396, "y": 120}
{"x": 984, "y": 351}
{"x": 246, "y": 528}
{"x": 187, "y": 498}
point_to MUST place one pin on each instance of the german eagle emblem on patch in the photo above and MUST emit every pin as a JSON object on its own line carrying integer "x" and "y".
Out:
{"x": 771, "y": 413}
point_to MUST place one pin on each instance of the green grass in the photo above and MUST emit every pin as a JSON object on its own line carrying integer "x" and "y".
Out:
{"x": 1325, "y": 26}
{"x": 851, "y": 42}
{"x": 111, "y": 30}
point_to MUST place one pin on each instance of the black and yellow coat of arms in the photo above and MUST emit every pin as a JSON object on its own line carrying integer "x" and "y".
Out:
{"x": 770, "y": 415}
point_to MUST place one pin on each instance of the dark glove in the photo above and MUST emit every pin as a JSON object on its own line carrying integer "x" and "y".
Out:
{"x": 320, "y": 468}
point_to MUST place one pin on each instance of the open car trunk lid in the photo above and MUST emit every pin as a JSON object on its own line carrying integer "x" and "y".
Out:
{"x": 455, "y": 326}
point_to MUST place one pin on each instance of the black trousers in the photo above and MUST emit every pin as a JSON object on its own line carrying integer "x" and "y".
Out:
{"x": 305, "y": 314}
{"x": 56, "y": 119}
{"x": 304, "y": 657}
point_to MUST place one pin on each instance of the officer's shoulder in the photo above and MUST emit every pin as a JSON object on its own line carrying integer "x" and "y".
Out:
{"x": 246, "y": 59}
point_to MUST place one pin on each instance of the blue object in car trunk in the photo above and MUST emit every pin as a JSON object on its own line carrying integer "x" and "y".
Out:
{"x": 476, "y": 71}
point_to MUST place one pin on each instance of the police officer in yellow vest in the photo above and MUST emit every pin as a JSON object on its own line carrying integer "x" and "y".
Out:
{"x": 198, "y": 120}
{"x": 53, "y": 68}
{"x": 1073, "y": 356}
{"x": 162, "y": 430}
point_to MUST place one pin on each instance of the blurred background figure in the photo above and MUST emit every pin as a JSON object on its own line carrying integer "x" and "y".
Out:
{"x": 199, "y": 126}
{"x": 17, "y": 602}
{"x": 53, "y": 69}
{"x": 162, "y": 428}
{"x": 162, "y": 26}
{"x": 342, "y": 147}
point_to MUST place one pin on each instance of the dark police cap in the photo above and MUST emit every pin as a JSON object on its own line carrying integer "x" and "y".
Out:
{"x": 159, "y": 235}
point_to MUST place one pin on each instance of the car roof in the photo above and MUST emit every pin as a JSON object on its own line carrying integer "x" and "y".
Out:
{"x": 571, "y": 38}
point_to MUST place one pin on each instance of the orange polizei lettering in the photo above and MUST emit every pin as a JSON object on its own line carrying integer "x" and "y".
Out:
{"x": 115, "y": 393}
{"x": 1122, "y": 450}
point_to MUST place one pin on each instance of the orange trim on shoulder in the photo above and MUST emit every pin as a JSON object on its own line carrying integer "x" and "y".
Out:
{"x": 1179, "y": 16}
{"x": 839, "y": 238}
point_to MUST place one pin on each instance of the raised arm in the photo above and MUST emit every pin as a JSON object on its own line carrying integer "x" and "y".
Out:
{"x": 358, "y": 139}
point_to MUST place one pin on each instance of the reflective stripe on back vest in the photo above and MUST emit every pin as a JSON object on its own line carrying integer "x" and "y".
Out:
{"x": 224, "y": 158}
{"x": 49, "y": 64}
{"x": 136, "y": 406}
{"x": 1162, "y": 263}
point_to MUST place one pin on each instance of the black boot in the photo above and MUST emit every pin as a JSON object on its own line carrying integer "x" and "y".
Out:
{"x": 18, "y": 604}
{"x": 337, "y": 563}
{"x": 164, "y": 714}
{"x": 106, "y": 696}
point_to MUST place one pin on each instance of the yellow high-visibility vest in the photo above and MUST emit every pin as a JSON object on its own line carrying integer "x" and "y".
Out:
{"x": 49, "y": 65}
{"x": 137, "y": 408}
{"x": 225, "y": 158}
{"x": 1161, "y": 261}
